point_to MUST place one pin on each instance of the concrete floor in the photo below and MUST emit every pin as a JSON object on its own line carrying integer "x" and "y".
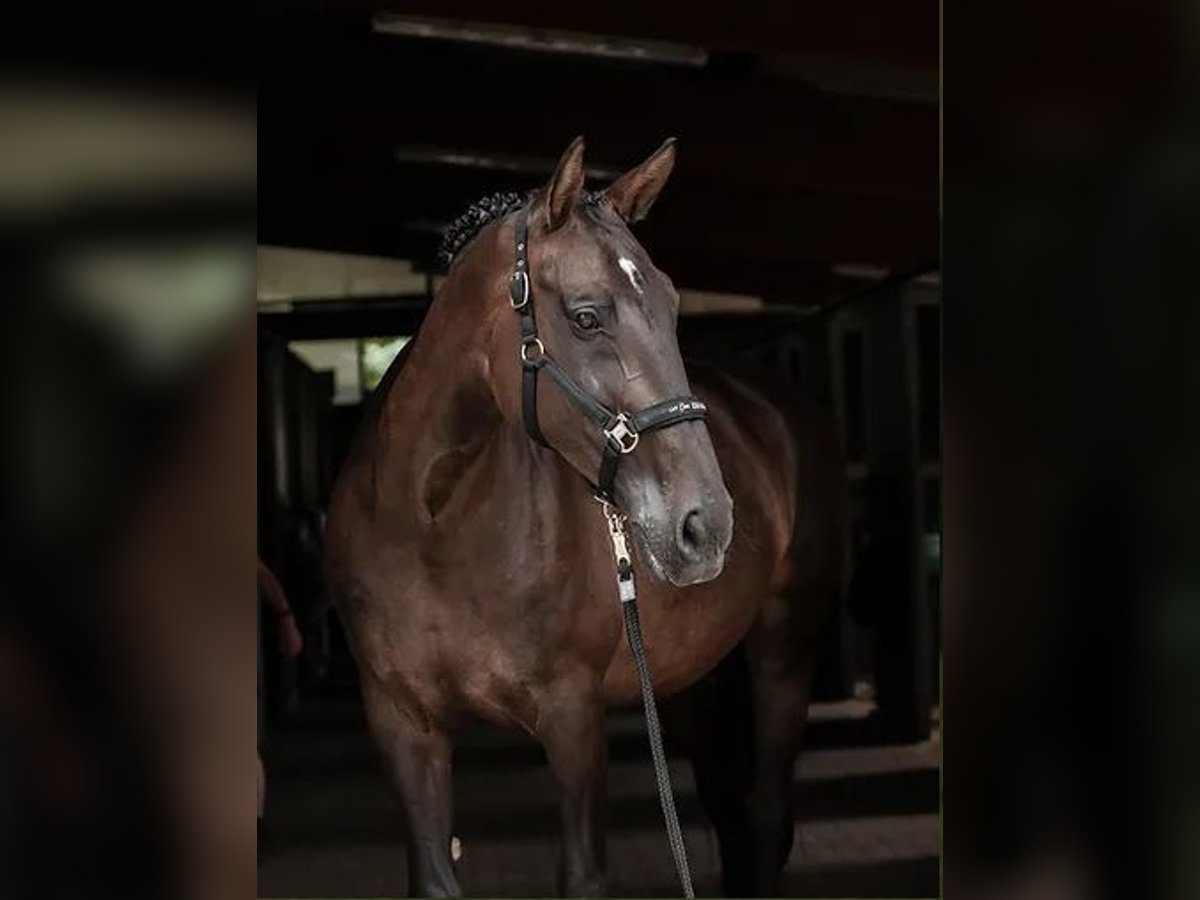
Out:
{"x": 868, "y": 821}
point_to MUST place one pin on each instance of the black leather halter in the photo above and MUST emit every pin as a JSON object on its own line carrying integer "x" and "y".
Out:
{"x": 621, "y": 430}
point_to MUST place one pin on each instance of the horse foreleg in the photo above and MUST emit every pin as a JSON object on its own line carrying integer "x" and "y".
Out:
{"x": 571, "y": 729}
{"x": 712, "y": 722}
{"x": 780, "y": 655}
{"x": 417, "y": 755}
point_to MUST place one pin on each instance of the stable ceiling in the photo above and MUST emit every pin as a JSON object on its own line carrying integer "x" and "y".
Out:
{"x": 808, "y": 136}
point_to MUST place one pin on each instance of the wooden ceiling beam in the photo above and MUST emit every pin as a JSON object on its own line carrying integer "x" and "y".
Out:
{"x": 900, "y": 32}
{"x": 362, "y": 94}
{"x": 691, "y": 217}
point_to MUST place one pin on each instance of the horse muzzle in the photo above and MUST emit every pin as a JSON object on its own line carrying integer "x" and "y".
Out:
{"x": 688, "y": 545}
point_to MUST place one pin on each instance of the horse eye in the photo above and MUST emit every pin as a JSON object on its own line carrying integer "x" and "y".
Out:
{"x": 586, "y": 319}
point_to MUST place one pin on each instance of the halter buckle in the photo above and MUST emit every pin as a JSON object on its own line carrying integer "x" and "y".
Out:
{"x": 622, "y": 438}
{"x": 533, "y": 341}
{"x": 518, "y": 289}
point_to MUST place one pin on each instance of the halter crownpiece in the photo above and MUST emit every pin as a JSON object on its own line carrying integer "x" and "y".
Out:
{"x": 621, "y": 430}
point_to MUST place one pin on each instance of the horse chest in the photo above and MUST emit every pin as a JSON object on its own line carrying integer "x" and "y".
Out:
{"x": 542, "y": 606}
{"x": 687, "y": 632}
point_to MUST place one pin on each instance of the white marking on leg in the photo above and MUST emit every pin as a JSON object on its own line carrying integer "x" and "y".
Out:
{"x": 632, "y": 273}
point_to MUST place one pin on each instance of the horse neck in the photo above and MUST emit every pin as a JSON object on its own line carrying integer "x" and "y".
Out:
{"x": 441, "y": 402}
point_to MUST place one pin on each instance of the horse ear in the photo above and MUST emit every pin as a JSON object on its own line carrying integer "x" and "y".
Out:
{"x": 634, "y": 193}
{"x": 566, "y": 186}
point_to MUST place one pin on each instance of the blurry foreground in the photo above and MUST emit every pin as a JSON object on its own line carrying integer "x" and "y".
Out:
{"x": 127, "y": 633}
{"x": 1071, "y": 278}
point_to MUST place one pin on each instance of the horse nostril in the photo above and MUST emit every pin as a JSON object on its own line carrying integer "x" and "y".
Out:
{"x": 693, "y": 534}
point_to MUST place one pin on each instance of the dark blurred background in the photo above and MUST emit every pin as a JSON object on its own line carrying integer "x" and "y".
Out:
{"x": 801, "y": 225}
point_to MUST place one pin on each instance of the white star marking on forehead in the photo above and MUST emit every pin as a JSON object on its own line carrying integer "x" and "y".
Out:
{"x": 632, "y": 273}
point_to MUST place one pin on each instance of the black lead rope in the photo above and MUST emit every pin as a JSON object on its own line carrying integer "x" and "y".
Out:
{"x": 621, "y": 432}
{"x": 662, "y": 774}
{"x": 633, "y": 630}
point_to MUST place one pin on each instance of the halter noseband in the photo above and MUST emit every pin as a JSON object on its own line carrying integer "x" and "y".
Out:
{"x": 621, "y": 430}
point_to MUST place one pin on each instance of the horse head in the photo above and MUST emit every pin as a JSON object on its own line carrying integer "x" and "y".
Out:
{"x": 607, "y": 316}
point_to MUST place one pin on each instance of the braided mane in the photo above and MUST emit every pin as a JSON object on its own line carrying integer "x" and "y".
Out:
{"x": 482, "y": 213}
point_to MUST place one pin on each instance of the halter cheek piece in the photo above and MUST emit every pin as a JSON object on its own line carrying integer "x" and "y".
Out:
{"x": 621, "y": 430}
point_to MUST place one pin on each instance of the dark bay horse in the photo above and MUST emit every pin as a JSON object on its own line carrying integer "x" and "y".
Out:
{"x": 472, "y": 567}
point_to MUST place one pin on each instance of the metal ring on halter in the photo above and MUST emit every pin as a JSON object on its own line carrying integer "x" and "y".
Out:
{"x": 532, "y": 342}
{"x": 523, "y": 277}
{"x": 623, "y": 438}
